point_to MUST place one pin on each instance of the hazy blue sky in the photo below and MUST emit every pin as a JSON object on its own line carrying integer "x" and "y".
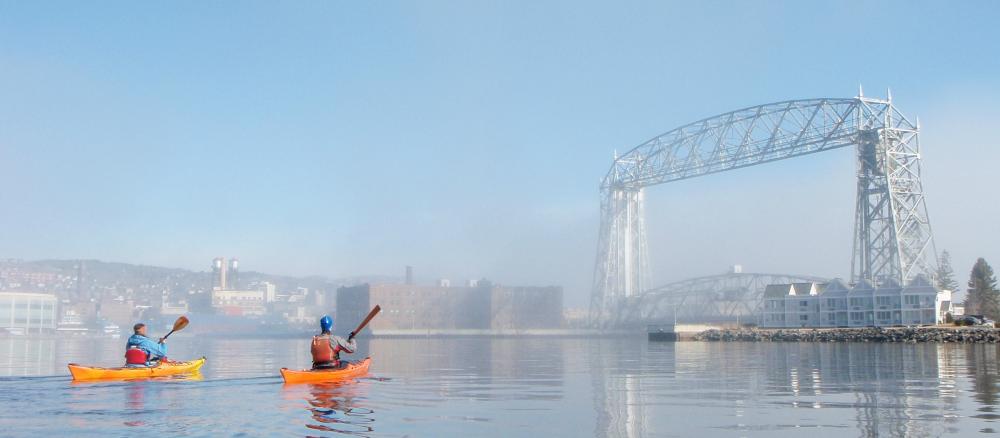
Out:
{"x": 465, "y": 138}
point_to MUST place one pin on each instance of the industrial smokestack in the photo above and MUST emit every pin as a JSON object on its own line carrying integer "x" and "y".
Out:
{"x": 409, "y": 275}
{"x": 234, "y": 273}
{"x": 219, "y": 272}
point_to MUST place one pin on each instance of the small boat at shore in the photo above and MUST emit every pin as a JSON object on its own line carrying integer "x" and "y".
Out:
{"x": 165, "y": 368}
{"x": 350, "y": 371}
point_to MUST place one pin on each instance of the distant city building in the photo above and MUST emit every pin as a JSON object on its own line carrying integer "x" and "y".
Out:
{"x": 73, "y": 318}
{"x": 444, "y": 282}
{"x": 23, "y": 312}
{"x": 14, "y": 277}
{"x": 239, "y": 302}
{"x": 76, "y": 316}
{"x": 520, "y": 308}
{"x": 270, "y": 291}
{"x": 119, "y": 310}
{"x": 172, "y": 309}
{"x": 414, "y": 307}
{"x": 300, "y": 315}
{"x": 834, "y": 304}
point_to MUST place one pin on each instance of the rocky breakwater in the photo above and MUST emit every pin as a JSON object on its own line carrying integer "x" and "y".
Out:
{"x": 867, "y": 334}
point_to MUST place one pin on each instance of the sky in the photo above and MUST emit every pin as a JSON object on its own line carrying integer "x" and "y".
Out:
{"x": 466, "y": 138}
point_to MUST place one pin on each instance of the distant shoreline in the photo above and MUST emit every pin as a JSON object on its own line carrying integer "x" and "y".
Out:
{"x": 911, "y": 335}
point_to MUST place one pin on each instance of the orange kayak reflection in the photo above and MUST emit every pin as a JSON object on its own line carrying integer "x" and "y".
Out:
{"x": 81, "y": 372}
{"x": 333, "y": 375}
{"x": 334, "y": 406}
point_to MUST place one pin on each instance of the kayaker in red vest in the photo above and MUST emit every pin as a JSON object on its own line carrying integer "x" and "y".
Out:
{"x": 141, "y": 351}
{"x": 326, "y": 347}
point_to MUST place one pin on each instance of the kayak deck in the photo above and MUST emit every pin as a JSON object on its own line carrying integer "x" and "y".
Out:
{"x": 304, "y": 376}
{"x": 81, "y": 372}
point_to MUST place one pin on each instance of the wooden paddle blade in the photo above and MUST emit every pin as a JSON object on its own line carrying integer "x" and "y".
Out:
{"x": 180, "y": 323}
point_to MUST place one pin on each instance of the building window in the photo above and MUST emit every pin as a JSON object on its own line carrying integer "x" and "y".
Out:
{"x": 883, "y": 315}
{"x": 803, "y": 317}
{"x": 882, "y": 301}
{"x": 803, "y": 303}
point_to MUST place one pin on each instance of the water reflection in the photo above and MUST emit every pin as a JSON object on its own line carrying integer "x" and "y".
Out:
{"x": 517, "y": 387}
{"x": 893, "y": 390}
{"x": 27, "y": 356}
{"x": 982, "y": 366}
{"x": 334, "y": 407}
{"x": 618, "y": 395}
{"x": 890, "y": 384}
{"x": 482, "y": 369}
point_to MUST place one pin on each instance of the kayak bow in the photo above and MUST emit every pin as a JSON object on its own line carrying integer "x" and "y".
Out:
{"x": 81, "y": 372}
{"x": 331, "y": 375}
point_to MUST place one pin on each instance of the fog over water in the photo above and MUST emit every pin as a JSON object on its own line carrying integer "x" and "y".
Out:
{"x": 467, "y": 140}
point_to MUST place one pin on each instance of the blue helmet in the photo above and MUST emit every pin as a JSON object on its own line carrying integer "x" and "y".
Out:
{"x": 326, "y": 323}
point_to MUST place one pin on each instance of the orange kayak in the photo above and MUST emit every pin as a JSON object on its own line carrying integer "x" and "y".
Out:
{"x": 351, "y": 370}
{"x": 81, "y": 372}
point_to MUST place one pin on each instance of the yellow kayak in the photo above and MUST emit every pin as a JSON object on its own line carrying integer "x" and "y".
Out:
{"x": 305, "y": 376}
{"x": 81, "y": 372}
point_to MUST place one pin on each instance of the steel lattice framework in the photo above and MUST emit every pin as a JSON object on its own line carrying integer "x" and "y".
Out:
{"x": 893, "y": 238}
{"x": 725, "y": 297}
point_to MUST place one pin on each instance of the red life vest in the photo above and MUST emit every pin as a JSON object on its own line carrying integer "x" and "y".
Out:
{"x": 135, "y": 356}
{"x": 323, "y": 353}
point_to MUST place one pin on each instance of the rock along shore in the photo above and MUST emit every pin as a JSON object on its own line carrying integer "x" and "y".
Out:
{"x": 868, "y": 334}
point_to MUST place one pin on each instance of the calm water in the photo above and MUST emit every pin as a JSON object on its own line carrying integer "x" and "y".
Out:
{"x": 507, "y": 387}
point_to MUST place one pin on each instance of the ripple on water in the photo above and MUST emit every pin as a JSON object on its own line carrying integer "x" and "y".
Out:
{"x": 523, "y": 387}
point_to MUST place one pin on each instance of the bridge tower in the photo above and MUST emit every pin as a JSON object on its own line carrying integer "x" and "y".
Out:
{"x": 892, "y": 238}
{"x": 892, "y": 232}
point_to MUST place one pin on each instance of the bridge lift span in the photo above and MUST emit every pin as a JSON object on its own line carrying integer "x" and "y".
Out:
{"x": 892, "y": 234}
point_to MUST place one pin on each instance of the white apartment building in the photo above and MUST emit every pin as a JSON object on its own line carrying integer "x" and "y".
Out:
{"x": 834, "y": 304}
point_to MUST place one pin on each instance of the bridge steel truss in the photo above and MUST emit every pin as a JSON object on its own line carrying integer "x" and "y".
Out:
{"x": 892, "y": 237}
{"x": 727, "y": 297}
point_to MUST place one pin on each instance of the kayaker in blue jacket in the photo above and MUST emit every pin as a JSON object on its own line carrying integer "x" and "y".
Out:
{"x": 142, "y": 351}
{"x": 326, "y": 347}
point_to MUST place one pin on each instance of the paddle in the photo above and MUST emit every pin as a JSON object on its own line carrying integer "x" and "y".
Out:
{"x": 365, "y": 322}
{"x": 178, "y": 326}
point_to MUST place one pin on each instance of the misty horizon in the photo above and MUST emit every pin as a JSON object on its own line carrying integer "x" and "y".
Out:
{"x": 372, "y": 139}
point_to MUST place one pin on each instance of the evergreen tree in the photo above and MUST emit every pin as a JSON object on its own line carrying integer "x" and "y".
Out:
{"x": 945, "y": 274}
{"x": 982, "y": 297}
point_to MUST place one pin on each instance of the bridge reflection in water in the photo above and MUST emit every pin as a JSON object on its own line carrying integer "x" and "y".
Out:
{"x": 619, "y": 387}
{"x": 689, "y": 388}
